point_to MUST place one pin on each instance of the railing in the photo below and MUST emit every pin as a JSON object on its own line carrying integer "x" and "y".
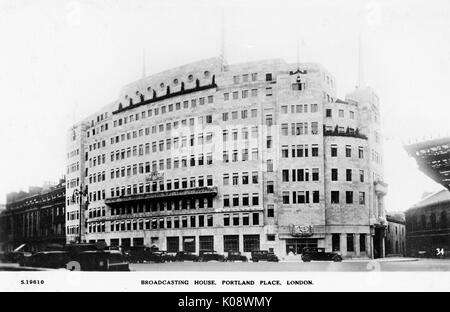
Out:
{"x": 346, "y": 133}
{"x": 211, "y": 190}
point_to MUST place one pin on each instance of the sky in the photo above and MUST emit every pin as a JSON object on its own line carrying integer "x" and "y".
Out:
{"x": 62, "y": 60}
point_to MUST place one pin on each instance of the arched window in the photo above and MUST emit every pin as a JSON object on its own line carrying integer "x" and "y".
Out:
{"x": 142, "y": 97}
{"x": 423, "y": 220}
{"x": 131, "y": 101}
{"x": 443, "y": 220}
{"x": 433, "y": 221}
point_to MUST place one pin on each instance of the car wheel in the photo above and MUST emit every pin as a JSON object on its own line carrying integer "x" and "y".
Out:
{"x": 337, "y": 259}
{"x": 306, "y": 259}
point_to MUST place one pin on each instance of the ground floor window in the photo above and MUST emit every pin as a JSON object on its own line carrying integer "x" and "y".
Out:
{"x": 230, "y": 242}
{"x": 296, "y": 245}
{"x": 350, "y": 243}
{"x": 189, "y": 243}
{"x": 114, "y": 242}
{"x": 336, "y": 242}
{"x": 251, "y": 242}
{"x": 138, "y": 241}
{"x": 173, "y": 244}
{"x": 206, "y": 242}
{"x": 362, "y": 242}
{"x": 126, "y": 242}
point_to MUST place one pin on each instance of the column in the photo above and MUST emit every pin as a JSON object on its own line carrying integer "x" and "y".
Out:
{"x": 356, "y": 239}
{"x": 343, "y": 243}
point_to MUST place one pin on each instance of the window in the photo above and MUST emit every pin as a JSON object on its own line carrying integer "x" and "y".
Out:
{"x": 328, "y": 112}
{"x": 270, "y": 211}
{"x": 314, "y": 108}
{"x": 285, "y": 151}
{"x": 226, "y": 220}
{"x": 269, "y": 165}
{"x": 285, "y": 175}
{"x": 348, "y": 174}
{"x": 361, "y": 175}
{"x": 245, "y": 178}
{"x": 206, "y": 242}
{"x": 269, "y": 142}
{"x": 362, "y": 242}
{"x": 349, "y": 197}
{"x": 235, "y": 95}
{"x": 230, "y": 243}
{"x": 270, "y": 188}
{"x": 341, "y": 113}
{"x": 350, "y": 243}
{"x": 285, "y": 195}
{"x": 284, "y": 129}
{"x": 269, "y": 91}
{"x": 254, "y": 76}
{"x": 362, "y": 198}
{"x": 251, "y": 242}
{"x": 315, "y": 197}
{"x": 314, "y": 128}
{"x": 335, "y": 197}
{"x": 226, "y": 96}
{"x": 360, "y": 152}
{"x": 269, "y": 77}
{"x": 336, "y": 242}
{"x": 255, "y": 218}
{"x": 315, "y": 174}
{"x": 235, "y": 79}
{"x": 255, "y": 177}
{"x": 334, "y": 174}
{"x": 333, "y": 150}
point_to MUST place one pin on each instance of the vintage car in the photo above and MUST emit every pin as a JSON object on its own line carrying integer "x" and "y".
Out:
{"x": 16, "y": 255}
{"x": 46, "y": 259}
{"x": 319, "y": 254}
{"x": 263, "y": 255}
{"x": 185, "y": 256}
{"x": 234, "y": 255}
{"x": 210, "y": 255}
{"x": 101, "y": 260}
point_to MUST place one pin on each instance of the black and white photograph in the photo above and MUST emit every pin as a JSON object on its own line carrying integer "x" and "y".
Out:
{"x": 224, "y": 145}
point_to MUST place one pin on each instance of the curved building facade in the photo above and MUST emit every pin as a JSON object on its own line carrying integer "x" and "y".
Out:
{"x": 249, "y": 156}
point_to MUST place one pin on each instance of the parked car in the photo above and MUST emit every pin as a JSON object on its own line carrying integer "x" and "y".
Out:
{"x": 210, "y": 255}
{"x": 46, "y": 259}
{"x": 159, "y": 256}
{"x": 137, "y": 254}
{"x": 319, "y": 254}
{"x": 234, "y": 255}
{"x": 185, "y": 256}
{"x": 102, "y": 260}
{"x": 263, "y": 255}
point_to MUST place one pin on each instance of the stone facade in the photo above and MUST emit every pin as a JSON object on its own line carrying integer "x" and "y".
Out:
{"x": 396, "y": 234}
{"x": 259, "y": 155}
{"x": 35, "y": 218}
{"x": 427, "y": 226}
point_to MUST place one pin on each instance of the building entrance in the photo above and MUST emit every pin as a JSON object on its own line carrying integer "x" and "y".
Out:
{"x": 296, "y": 245}
{"x": 378, "y": 242}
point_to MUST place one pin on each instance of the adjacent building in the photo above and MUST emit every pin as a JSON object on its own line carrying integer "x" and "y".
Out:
{"x": 35, "y": 218}
{"x": 396, "y": 234}
{"x": 259, "y": 155}
{"x": 427, "y": 228}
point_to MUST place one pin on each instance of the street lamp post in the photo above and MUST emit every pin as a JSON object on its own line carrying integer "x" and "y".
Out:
{"x": 80, "y": 193}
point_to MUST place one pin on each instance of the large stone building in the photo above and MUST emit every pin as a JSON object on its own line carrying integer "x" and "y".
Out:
{"x": 259, "y": 155}
{"x": 35, "y": 218}
{"x": 427, "y": 228}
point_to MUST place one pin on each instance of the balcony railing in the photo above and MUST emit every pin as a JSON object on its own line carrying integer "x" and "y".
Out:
{"x": 208, "y": 190}
{"x": 347, "y": 133}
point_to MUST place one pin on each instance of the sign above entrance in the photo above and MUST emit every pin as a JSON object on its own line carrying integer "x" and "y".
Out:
{"x": 301, "y": 230}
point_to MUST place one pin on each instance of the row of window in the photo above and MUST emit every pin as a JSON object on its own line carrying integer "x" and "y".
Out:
{"x": 235, "y": 178}
{"x": 299, "y": 108}
{"x": 299, "y": 175}
{"x": 300, "y": 197}
{"x": 244, "y": 94}
{"x": 235, "y": 201}
{"x": 299, "y": 128}
{"x": 349, "y": 197}
{"x": 163, "y": 223}
{"x": 73, "y": 153}
{"x": 160, "y": 128}
{"x": 163, "y": 110}
{"x": 247, "y": 77}
{"x": 165, "y": 205}
{"x": 341, "y": 113}
{"x": 161, "y": 186}
{"x": 301, "y": 150}
{"x": 350, "y": 242}
{"x": 235, "y": 114}
{"x": 348, "y": 175}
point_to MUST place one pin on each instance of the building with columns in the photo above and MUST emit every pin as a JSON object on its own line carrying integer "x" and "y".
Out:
{"x": 35, "y": 218}
{"x": 260, "y": 155}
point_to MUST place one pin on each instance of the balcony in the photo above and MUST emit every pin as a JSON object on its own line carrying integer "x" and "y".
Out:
{"x": 191, "y": 192}
{"x": 349, "y": 132}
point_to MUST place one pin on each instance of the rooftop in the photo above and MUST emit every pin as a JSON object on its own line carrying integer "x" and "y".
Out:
{"x": 441, "y": 196}
{"x": 433, "y": 159}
